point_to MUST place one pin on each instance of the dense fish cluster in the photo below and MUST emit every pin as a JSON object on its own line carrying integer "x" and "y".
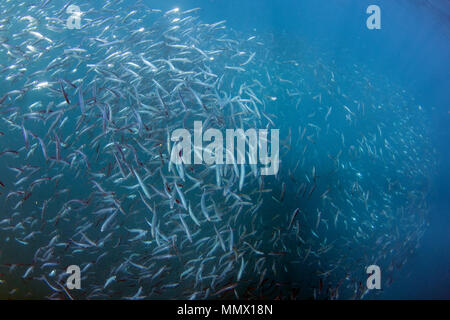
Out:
{"x": 86, "y": 121}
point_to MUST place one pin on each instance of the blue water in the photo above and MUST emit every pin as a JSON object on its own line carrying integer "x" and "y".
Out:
{"x": 413, "y": 49}
{"x": 409, "y": 55}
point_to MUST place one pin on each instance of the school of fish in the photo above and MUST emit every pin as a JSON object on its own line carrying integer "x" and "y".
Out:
{"x": 85, "y": 122}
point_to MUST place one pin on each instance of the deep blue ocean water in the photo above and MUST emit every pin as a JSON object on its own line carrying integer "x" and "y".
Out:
{"x": 412, "y": 50}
